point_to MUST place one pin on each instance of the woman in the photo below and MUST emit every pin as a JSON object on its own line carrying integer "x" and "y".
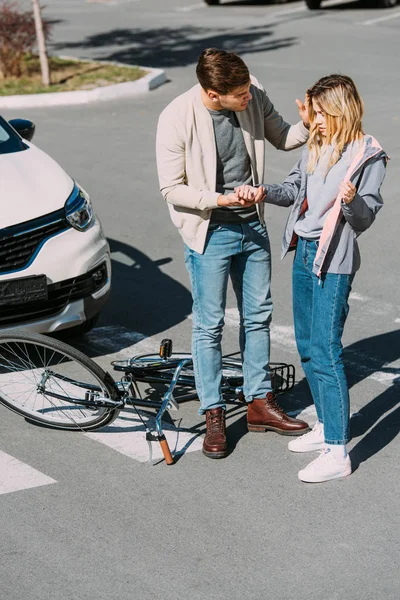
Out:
{"x": 334, "y": 194}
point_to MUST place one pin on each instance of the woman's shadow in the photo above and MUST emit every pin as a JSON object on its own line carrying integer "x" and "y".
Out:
{"x": 372, "y": 357}
{"x": 368, "y": 358}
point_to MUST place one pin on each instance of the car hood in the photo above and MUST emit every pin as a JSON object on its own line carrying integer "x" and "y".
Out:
{"x": 31, "y": 185}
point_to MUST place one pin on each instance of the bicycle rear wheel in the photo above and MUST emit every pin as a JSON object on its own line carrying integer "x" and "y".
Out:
{"x": 50, "y": 382}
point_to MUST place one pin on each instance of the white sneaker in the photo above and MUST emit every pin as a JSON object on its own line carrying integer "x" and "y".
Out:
{"x": 313, "y": 440}
{"x": 326, "y": 467}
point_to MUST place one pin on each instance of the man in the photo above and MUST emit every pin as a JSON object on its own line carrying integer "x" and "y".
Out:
{"x": 210, "y": 140}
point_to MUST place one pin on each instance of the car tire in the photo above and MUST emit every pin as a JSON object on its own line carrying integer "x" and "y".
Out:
{"x": 313, "y": 4}
{"x": 212, "y": 2}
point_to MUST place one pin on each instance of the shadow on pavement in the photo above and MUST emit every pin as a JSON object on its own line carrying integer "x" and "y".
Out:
{"x": 143, "y": 298}
{"x": 144, "y": 301}
{"x": 373, "y": 355}
{"x": 169, "y": 47}
{"x": 369, "y": 357}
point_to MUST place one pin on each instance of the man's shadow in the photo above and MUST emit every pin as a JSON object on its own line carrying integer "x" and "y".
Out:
{"x": 144, "y": 301}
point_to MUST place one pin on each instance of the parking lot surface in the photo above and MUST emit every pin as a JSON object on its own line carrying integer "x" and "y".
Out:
{"x": 83, "y": 516}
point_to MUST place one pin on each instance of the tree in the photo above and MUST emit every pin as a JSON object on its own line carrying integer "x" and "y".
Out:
{"x": 41, "y": 43}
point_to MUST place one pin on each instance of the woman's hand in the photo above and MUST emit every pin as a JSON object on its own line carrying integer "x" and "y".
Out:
{"x": 249, "y": 193}
{"x": 347, "y": 191}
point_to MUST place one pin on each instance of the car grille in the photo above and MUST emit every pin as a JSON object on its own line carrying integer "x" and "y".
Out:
{"x": 20, "y": 243}
{"x": 59, "y": 295}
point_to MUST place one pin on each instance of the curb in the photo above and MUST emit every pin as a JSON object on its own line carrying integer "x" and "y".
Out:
{"x": 153, "y": 79}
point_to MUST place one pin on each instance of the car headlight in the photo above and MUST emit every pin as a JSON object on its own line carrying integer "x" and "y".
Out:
{"x": 78, "y": 209}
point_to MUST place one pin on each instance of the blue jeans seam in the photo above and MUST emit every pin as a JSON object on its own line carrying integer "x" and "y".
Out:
{"x": 333, "y": 318}
{"x": 198, "y": 381}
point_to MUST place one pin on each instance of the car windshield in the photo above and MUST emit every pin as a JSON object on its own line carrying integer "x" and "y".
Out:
{"x": 9, "y": 140}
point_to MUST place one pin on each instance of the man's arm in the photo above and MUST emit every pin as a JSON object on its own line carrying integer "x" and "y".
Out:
{"x": 278, "y": 132}
{"x": 170, "y": 151}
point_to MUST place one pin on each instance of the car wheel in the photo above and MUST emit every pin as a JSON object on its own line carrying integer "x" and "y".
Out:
{"x": 212, "y": 2}
{"x": 313, "y": 4}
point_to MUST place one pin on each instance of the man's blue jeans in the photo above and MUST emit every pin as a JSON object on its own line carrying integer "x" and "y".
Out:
{"x": 320, "y": 309}
{"x": 243, "y": 253}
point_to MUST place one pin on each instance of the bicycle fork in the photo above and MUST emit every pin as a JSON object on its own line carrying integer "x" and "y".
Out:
{"x": 168, "y": 403}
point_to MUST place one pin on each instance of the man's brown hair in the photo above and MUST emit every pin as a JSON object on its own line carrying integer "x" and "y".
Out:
{"x": 221, "y": 71}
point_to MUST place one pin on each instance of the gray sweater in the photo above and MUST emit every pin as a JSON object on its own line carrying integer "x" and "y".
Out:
{"x": 340, "y": 252}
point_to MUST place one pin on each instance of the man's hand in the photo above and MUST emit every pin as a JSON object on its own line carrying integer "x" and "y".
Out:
{"x": 303, "y": 111}
{"x": 250, "y": 193}
{"x": 234, "y": 200}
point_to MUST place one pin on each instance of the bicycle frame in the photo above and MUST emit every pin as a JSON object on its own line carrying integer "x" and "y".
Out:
{"x": 53, "y": 375}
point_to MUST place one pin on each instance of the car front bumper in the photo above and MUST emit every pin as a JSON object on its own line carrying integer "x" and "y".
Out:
{"x": 78, "y": 271}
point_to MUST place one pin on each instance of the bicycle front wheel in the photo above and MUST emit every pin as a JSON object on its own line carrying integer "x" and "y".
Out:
{"x": 50, "y": 382}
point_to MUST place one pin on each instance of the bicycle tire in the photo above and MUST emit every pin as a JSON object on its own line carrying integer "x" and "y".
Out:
{"x": 44, "y": 380}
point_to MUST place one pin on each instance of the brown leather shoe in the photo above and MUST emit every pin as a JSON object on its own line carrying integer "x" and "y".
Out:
{"x": 264, "y": 414}
{"x": 214, "y": 445}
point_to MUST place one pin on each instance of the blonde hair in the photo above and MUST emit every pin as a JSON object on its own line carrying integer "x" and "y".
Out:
{"x": 339, "y": 99}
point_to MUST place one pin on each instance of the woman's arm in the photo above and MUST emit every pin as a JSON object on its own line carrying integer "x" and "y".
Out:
{"x": 284, "y": 194}
{"x": 361, "y": 211}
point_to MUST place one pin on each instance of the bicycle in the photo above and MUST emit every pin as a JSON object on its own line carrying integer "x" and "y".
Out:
{"x": 51, "y": 383}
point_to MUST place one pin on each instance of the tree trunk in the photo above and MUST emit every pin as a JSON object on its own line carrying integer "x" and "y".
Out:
{"x": 41, "y": 42}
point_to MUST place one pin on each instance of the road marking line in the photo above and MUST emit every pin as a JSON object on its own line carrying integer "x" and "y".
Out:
{"x": 373, "y": 306}
{"x": 16, "y": 475}
{"x": 122, "y": 258}
{"x": 106, "y": 339}
{"x": 393, "y": 15}
{"x": 128, "y": 437}
{"x": 190, "y": 8}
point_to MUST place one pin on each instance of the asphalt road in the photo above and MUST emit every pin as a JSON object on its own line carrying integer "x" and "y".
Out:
{"x": 97, "y": 523}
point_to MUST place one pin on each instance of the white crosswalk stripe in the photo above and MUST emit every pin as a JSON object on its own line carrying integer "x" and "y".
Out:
{"x": 127, "y": 436}
{"x": 16, "y": 475}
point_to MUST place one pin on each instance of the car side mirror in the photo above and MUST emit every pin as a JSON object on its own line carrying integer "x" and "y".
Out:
{"x": 24, "y": 127}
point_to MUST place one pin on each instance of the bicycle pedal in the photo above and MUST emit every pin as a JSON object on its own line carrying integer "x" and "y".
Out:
{"x": 166, "y": 348}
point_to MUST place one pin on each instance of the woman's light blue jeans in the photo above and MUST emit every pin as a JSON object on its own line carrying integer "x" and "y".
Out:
{"x": 320, "y": 309}
{"x": 243, "y": 253}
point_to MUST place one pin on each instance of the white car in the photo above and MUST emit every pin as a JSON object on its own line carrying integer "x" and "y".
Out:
{"x": 55, "y": 268}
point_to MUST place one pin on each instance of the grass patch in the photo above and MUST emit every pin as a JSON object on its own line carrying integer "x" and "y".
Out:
{"x": 66, "y": 76}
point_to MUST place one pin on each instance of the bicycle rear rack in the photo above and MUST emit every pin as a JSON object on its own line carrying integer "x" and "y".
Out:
{"x": 169, "y": 368}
